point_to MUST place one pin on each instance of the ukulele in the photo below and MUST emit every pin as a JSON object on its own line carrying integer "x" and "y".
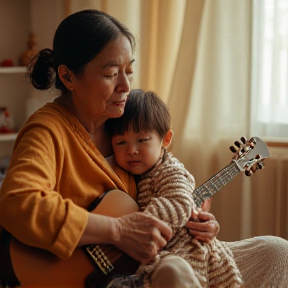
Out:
{"x": 87, "y": 267}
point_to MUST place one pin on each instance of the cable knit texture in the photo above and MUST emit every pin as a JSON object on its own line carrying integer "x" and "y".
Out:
{"x": 263, "y": 261}
{"x": 167, "y": 193}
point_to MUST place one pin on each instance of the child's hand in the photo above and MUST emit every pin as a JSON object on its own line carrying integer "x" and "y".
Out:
{"x": 206, "y": 205}
{"x": 205, "y": 228}
{"x": 194, "y": 215}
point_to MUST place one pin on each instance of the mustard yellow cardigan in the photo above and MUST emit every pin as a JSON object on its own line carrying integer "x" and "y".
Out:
{"x": 55, "y": 173}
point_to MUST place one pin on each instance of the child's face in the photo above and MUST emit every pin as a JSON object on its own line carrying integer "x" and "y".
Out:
{"x": 137, "y": 152}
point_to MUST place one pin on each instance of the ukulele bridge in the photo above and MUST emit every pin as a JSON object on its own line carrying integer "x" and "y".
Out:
{"x": 99, "y": 257}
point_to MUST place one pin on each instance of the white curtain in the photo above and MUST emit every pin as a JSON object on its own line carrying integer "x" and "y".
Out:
{"x": 270, "y": 68}
{"x": 209, "y": 100}
{"x": 196, "y": 54}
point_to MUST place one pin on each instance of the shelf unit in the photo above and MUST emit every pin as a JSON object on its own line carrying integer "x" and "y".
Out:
{"x": 18, "y": 95}
{"x": 18, "y": 18}
{"x": 14, "y": 92}
{"x": 15, "y": 24}
{"x": 7, "y": 137}
{"x": 4, "y": 137}
{"x": 12, "y": 70}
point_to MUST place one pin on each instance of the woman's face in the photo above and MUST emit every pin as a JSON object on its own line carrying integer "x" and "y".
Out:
{"x": 100, "y": 92}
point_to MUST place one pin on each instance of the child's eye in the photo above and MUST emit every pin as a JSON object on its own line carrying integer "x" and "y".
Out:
{"x": 120, "y": 142}
{"x": 143, "y": 139}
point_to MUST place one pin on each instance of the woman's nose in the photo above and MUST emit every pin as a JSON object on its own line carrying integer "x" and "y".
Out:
{"x": 124, "y": 83}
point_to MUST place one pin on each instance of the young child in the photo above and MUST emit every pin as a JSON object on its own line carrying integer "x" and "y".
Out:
{"x": 140, "y": 138}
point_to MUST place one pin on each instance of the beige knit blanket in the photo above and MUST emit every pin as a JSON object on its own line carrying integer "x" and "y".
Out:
{"x": 166, "y": 192}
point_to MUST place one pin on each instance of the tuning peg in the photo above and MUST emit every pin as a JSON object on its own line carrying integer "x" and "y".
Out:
{"x": 240, "y": 146}
{"x": 248, "y": 172}
{"x": 233, "y": 149}
{"x": 243, "y": 139}
{"x": 260, "y": 165}
{"x": 237, "y": 144}
{"x": 252, "y": 142}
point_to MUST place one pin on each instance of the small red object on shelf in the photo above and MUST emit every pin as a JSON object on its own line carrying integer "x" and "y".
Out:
{"x": 6, "y": 121}
{"x": 7, "y": 63}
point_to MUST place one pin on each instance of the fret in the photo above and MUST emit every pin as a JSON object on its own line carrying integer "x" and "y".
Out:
{"x": 215, "y": 183}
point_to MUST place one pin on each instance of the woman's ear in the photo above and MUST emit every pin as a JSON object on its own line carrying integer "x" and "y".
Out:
{"x": 65, "y": 76}
{"x": 167, "y": 138}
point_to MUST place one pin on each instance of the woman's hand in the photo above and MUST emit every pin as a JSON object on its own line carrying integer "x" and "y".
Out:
{"x": 142, "y": 236}
{"x": 206, "y": 228}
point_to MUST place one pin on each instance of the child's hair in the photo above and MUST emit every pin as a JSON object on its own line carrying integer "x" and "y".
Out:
{"x": 144, "y": 112}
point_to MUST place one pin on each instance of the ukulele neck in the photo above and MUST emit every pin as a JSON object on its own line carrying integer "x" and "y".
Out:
{"x": 215, "y": 183}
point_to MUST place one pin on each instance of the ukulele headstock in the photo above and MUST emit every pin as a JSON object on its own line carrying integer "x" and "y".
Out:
{"x": 249, "y": 154}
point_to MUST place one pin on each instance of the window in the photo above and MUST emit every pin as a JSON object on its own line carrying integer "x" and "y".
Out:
{"x": 269, "y": 107}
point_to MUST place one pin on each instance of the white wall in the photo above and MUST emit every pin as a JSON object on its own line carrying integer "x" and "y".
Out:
{"x": 46, "y": 15}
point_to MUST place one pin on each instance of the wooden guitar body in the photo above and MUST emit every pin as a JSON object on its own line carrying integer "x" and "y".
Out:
{"x": 39, "y": 268}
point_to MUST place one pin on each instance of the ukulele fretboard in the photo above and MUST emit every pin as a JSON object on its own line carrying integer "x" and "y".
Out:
{"x": 214, "y": 184}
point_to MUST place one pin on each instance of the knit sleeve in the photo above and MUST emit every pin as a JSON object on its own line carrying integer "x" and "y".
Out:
{"x": 171, "y": 200}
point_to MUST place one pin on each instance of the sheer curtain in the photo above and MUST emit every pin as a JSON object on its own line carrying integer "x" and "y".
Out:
{"x": 196, "y": 54}
{"x": 270, "y": 69}
{"x": 209, "y": 101}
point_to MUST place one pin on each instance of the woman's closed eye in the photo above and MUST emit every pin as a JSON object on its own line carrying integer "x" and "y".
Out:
{"x": 129, "y": 73}
{"x": 111, "y": 76}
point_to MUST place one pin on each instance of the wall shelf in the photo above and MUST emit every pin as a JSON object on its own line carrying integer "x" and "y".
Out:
{"x": 12, "y": 70}
{"x": 16, "y": 92}
{"x": 7, "y": 137}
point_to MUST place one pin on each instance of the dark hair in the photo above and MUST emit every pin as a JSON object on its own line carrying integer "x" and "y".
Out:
{"x": 78, "y": 39}
{"x": 144, "y": 111}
